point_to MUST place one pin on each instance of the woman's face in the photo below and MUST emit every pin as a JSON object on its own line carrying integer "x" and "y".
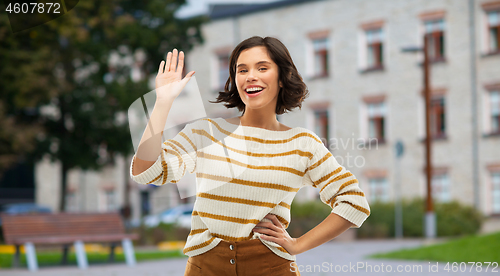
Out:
{"x": 255, "y": 70}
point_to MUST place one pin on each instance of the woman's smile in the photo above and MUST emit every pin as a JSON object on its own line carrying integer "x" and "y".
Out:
{"x": 254, "y": 93}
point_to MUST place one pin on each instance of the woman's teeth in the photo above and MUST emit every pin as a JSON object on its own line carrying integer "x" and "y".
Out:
{"x": 254, "y": 90}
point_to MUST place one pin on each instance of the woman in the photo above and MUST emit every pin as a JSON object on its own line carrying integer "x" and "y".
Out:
{"x": 242, "y": 207}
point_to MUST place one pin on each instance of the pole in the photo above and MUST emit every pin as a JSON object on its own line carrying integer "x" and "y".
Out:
{"x": 398, "y": 208}
{"x": 126, "y": 210}
{"x": 430, "y": 221}
{"x": 474, "y": 117}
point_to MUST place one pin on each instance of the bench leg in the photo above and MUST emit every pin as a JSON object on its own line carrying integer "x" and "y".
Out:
{"x": 64, "y": 259}
{"x": 128, "y": 250}
{"x": 31, "y": 256}
{"x": 81, "y": 256}
{"x": 112, "y": 252}
{"x": 17, "y": 256}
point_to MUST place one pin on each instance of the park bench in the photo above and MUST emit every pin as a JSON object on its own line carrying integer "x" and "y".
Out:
{"x": 66, "y": 229}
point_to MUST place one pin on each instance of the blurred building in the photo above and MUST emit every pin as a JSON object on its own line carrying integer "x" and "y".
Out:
{"x": 366, "y": 94}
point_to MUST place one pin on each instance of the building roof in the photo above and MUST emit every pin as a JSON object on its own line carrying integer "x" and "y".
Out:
{"x": 220, "y": 11}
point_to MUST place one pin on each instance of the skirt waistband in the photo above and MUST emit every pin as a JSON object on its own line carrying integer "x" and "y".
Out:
{"x": 242, "y": 245}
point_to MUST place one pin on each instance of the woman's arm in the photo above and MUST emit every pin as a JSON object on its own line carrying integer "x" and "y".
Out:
{"x": 331, "y": 227}
{"x": 150, "y": 145}
{"x": 328, "y": 229}
{"x": 169, "y": 85}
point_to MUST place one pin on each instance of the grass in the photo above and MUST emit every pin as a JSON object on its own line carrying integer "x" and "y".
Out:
{"x": 54, "y": 258}
{"x": 472, "y": 248}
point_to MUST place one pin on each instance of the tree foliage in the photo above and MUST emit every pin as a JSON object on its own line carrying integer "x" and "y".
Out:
{"x": 66, "y": 85}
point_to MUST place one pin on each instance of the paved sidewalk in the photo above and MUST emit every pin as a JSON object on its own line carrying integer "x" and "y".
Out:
{"x": 322, "y": 260}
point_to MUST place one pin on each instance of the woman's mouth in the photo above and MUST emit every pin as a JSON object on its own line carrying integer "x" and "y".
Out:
{"x": 254, "y": 93}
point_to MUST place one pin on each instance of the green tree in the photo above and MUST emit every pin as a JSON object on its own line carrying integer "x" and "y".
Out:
{"x": 26, "y": 79}
{"x": 89, "y": 92}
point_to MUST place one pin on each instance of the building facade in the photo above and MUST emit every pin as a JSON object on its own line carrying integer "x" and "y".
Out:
{"x": 366, "y": 94}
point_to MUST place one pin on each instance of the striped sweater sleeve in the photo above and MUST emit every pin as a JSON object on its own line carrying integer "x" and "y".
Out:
{"x": 178, "y": 155}
{"x": 337, "y": 186}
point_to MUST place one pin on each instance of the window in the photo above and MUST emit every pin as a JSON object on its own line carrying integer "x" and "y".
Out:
{"x": 494, "y": 31}
{"x": 223, "y": 65}
{"x": 321, "y": 125}
{"x": 434, "y": 29}
{"x": 437, "y": 117}
{"x": 110, "y": 200}
{"x": 379, "y": 189}
{"x": 441, "y": 187}
{"x": 376, "y": 120}
{"x": 495, "y": 181}
{"x": 374, "y": 38}
{"x": 320, "y": 47}
{"x": 71, "y": 201}
{"x": 495, "y": 111}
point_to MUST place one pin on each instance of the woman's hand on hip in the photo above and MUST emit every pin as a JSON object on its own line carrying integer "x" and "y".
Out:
{"x": 169, "y": 82}
{"x": 275, "y": 231}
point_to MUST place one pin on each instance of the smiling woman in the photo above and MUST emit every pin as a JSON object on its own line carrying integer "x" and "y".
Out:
{"x": 246, "y": 185}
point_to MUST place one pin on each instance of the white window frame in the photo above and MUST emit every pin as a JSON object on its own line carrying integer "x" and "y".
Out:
{"x": 364, "y": 121}
{"x": 313, "y": 56}
{"x": 487, "y": 29}
{"x": 441, "y": 180}
{"x": 72, "y": 204}
{"x": 385, "y": 186}
{"x": 423, "y": 30}
{"x": 495, "y": 191}
{"x": 487, "y": 122}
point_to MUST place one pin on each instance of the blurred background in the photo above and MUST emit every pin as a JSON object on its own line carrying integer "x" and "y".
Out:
{"x": 66, "y": 86}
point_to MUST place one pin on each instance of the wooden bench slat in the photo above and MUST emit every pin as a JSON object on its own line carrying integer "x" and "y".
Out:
{"x": 63, "y": 228}
{"x": 71, "y": 239}
{"x": 66, "y": 229}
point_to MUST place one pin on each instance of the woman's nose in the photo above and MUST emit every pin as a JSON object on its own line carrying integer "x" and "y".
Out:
{"x": 251, "y": 76}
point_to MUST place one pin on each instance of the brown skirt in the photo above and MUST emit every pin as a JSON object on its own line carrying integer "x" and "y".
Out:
{"x": 241, "y": 258}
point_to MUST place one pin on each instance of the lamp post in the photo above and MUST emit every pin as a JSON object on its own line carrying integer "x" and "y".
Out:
{"x": 430, "y": 219}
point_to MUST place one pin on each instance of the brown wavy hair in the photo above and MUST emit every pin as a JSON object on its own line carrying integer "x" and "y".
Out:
{"x": 293, "y": 91}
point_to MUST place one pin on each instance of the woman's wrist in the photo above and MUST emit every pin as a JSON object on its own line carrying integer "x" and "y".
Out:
{"x": 164, "y": 102}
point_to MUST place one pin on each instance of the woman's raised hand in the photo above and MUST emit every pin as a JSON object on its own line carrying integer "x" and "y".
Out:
{"x": 169, "y": 82}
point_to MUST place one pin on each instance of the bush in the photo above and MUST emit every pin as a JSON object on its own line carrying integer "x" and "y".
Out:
{"x": 305, "y": 216}
{"x": 160, "y": 233}
{"x": 452, "y": 218}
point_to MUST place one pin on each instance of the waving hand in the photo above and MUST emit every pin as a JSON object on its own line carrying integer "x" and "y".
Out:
{"x": 169, "y": 82}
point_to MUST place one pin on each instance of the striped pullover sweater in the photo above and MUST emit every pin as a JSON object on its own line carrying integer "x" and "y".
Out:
{"x": 243, "y": 173}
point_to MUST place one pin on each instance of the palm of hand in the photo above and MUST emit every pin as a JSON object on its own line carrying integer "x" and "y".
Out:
{"x": 168, "y": 80}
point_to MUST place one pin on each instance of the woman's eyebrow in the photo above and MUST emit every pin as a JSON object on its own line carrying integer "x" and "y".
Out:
{"x": 260, "y": 62}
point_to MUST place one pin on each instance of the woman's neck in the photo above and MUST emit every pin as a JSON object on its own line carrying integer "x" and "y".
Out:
{"x": 270, "y": 123}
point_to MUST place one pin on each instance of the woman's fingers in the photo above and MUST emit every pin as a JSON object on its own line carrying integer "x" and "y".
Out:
{"x": 274, "y": 219}
{"x": 162, "y": 64}
{"x": 169, "y": 60}
{"x": 189, "y": 75}
{"x": 181, "y": 62}
{"x": 269, "y": 232}
{"x": 173, "y": 64}
{"x": 267, "y": 225}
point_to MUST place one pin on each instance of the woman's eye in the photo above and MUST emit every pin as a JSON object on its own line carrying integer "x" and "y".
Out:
{"x": 242, "y": 71}
{"x": 263, "y": 69}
